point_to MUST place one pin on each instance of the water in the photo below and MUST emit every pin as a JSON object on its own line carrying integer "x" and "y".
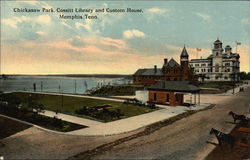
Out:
{"x": 72, "y": 85}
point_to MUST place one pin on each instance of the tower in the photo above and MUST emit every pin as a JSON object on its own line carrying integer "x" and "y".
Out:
{"x": 184, "y": 64}
{"x": 217, "y": 56}
{"x": 217, "y": 50}
{"x": 184, "y": 58}
{"x": 228, "y": 49}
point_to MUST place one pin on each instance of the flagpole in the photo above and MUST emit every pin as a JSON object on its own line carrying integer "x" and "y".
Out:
{"x": 236, "y": 46}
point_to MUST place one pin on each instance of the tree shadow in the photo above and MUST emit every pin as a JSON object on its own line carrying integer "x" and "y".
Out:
{"x": 229, "y": 122}
{"x": 215, "y": 144}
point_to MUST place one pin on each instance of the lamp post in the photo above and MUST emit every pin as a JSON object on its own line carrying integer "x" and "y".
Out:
{"x": 233, "y": 82}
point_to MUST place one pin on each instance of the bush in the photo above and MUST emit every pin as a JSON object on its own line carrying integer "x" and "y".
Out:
{"x": 99, "y": 112}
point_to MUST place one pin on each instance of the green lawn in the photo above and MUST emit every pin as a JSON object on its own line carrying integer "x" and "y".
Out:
{"x": 70, "y": 104}
{"x": 218, "y": 85}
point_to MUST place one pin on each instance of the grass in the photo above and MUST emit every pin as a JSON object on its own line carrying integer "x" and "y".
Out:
{"x": 118, "y": 90}
{"x": 71, "y": 104}
{"x": 40, "y": 120}
{"x": 218, "y": 85}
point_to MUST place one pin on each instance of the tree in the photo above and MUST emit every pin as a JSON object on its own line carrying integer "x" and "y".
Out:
{"x": 12, "y": 100}
{"x": 34, "y": 105}
{"x": 244, "y": 75}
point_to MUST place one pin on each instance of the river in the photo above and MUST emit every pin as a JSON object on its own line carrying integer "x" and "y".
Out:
{"x": 73, "y": 85}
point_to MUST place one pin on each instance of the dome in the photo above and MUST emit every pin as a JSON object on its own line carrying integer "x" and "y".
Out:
{"x": 228, "y": 47}
{"x": 217, "y": 41}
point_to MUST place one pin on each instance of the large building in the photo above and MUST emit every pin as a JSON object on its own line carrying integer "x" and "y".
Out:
{"x": 219, "y": 66}
{"x": 170, "y": 71}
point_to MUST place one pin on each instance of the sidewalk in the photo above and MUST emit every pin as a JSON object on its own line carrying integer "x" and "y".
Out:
{"x": 134, "y": 123}
{"x": 72, "y": 95}
{"x": 72, "y": 119}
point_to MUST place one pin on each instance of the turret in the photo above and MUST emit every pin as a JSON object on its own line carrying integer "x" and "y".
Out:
{"x": 184, "y": 57}
{"x": 228, "y": 49}
{"x": 217, "y": 50}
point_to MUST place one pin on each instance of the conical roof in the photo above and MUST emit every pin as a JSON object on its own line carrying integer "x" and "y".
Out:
{"x": 184, "y": 53}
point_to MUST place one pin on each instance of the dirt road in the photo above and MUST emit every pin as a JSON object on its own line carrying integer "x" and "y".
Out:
{"x": 184, "y": 139}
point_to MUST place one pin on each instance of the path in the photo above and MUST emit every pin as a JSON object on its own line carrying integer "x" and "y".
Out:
{"x": 136, "y": 122}
{"x": 72, "y": 95}
{"x": 72, "y": 119}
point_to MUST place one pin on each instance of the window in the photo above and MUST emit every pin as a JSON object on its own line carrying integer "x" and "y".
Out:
{"x": 196, "y": 65}
{"x": 176, "y": 98}
{"x": 203, "y": 64}
{"x": 155, "y": 96}
{"x": 217, "y": 68}
{"x": 167, "y": 98}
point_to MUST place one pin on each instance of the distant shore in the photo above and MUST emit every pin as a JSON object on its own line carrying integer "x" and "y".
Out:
{"x": 127, "y": 76}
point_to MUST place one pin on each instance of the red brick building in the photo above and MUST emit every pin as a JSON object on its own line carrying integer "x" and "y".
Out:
{"x": 170, "y": 70}
{"x": 171, "y": 92}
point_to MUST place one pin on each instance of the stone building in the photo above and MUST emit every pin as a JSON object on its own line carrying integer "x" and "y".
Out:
{"x": 219, "y": 66}
{"x": 170, "y": 71}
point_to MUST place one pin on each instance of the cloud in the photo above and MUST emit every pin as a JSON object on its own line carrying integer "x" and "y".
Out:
{"x": 66, "y": 25}
{"x": 45, "y": 5}
{"x": 156, "y": 10}
{"x": 129, "y": 34}
{"x": 14, "y": 21}
{"x": 42, "y": 19}
{"x": 41, "y": 33}
{"x": 245, "y": 21}
{"x": 203, "y": 16}
{"x": 30, "y": 2}
{"x": 113, "y": 42}
{"x": 36, "y": 3}
{"x": 87, "y": 25}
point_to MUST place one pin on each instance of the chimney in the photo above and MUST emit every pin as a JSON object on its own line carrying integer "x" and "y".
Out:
{"x": 165, "y": 61}
{"x": 155, "y": 68}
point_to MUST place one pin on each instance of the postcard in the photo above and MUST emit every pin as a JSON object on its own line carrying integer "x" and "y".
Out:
{"x": 124, "y": 79}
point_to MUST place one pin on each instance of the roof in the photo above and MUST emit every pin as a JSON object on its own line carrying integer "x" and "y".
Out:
{"x": 200, "y": 60}
{"x": 172, "y": 63}
{"x": 228, "y": 47}
{"x": 217, "y": 41}
{"x": 175, "y": 86}
{"x": 230, "y": 55}
{"x": 184, "y": 53}
{"x": 149, "y": 72}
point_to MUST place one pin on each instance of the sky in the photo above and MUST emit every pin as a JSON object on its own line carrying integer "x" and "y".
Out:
{"x": 117, "y": 43}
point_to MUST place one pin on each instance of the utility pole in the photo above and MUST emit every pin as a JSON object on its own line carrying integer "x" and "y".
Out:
{"x": 41, "y": 86}
{"x": 233, "y": 83}
{"x": 75, "y": 86}
{"x": 62, "y": 99}
{"x": 34, "y": 87}
{"x": 57, "y": 105}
